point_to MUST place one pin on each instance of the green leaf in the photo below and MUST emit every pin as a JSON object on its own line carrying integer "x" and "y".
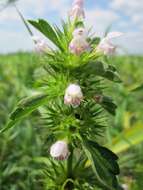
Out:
{"x": 28, "y": 105}
{"x": 112, "y": 68}
{"x": 104, "y": 164}
{"x": 111, "y": 75}
{"x": 97, "y": 68}
{"x": 94, "y": 41}
{"x": 24, "y": 108}
{"x": 45, "y": 28}
{"x": 79, "y": 24}
{"x": 109, "y": 105}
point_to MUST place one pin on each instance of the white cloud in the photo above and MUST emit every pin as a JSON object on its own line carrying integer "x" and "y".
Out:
{"x": 132, "y": 8}
{"x": 13, "y": 35}
{"x": 133, "y": 42}
{"x": 101, "y": 19}
{"x": 9, "y": 15}
{"x": 128, "y": 6}
{"x": 138, "y": 18}
{"x": 14, "y": 41}
{"x": 6, "y": 17}
{"x": 40, "y": 7}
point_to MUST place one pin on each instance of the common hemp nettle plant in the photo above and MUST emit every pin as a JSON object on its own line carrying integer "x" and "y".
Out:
{"x": 72, "y": 104}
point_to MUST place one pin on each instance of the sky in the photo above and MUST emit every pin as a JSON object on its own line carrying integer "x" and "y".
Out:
{"x": 122, "y": 15}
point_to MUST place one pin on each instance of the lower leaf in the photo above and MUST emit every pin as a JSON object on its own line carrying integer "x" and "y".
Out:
{"x": 104, "y": 164}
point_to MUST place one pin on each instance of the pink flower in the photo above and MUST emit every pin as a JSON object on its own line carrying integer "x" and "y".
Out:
{"x": 40, "y": 44}
{"x": 73, "y": 95}
{"x": 59, "y": 150}
{"x": 106, "y": 45}
{"x": 79, "y": 44}
{"x": 77, "y": 10}
{"x": 79, "y": 3}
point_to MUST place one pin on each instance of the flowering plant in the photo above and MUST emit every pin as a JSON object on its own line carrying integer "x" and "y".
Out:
{"x": 71, "y": 104}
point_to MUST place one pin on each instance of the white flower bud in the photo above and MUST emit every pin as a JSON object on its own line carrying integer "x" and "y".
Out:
{"x": 79, "y": 43}
{"x": 106, "y": 46}
{"x": 40, "y": 44}
{"x": 80, "y": 33}
{"x": 59, "y": 150}
{"x": 73, "y": 95}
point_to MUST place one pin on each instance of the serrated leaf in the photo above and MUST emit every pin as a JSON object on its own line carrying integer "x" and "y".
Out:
{"x": 25, "y": 107}
{"x": 45, "y": 28}
{"x": 111, "y": 75}
{"x": 32, "y": 101}
{"x": 28, "y": 105}
{"x": 104, "y": 164}
{"x": 97, "y": 68}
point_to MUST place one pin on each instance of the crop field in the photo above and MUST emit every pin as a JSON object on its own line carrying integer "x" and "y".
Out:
{"x": 23, "y": 156}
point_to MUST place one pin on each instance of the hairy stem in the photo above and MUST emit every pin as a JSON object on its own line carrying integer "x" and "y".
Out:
{"x": 69, "y": 185}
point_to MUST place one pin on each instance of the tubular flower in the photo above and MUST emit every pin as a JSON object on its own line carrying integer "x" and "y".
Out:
{"x": 73, "y": 95}
{"x": 79, "y": 43}
{"x": 77, "y": 10}
{"x": 40, "y": 45}
{"x": 106, "y": 45}
{"x": 59, "y": 150}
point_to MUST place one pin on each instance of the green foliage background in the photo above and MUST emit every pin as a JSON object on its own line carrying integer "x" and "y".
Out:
{"x": 22, "y": 152}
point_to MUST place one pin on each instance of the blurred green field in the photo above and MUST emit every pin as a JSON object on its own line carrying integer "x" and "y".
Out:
{"x": 22, "y": 150}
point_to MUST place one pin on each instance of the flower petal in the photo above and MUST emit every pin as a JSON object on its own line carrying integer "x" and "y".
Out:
{"x": 111, "y": 35}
